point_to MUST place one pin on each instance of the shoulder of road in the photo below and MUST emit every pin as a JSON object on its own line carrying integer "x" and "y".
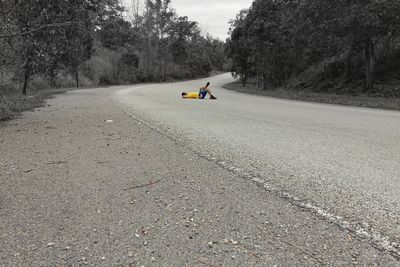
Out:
{"x": 347, "y": 100}
{"x": 84, "y": 183}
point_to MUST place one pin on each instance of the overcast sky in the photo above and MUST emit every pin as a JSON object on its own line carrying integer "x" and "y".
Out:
{"x": 213, "y": 15}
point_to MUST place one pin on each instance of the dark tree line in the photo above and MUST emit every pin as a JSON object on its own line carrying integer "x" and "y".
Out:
{"x": 322, "y": 44}
{"x": 91, "y": 42}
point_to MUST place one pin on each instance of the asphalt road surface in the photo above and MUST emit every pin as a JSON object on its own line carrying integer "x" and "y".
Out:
{"x": 137, "y": 176}
{"x": 340, "y": 162}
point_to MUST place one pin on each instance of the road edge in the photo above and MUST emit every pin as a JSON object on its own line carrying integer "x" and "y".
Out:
{"x": 355, "y": 101}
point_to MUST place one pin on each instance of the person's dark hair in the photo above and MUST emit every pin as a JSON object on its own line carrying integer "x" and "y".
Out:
{"x": 184, "y": 93}
{"x": 208, "y": 84}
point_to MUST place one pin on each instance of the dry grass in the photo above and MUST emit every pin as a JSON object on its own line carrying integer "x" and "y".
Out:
{"x": 12, "y": 104}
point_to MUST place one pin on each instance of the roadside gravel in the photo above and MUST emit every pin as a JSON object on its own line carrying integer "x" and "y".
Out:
{"x": 83, "y": 183}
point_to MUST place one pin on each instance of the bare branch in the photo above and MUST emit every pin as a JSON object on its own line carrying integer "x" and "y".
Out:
{"x": 12, "y": 11}
{"x": 53, "y": 25}
{"x": 10, "y": 84}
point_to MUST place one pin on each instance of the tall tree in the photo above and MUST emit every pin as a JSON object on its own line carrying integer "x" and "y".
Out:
{"x": 283, "y": 38}
{"x": 238, "y": 47}
{"x": 50, "y": 32}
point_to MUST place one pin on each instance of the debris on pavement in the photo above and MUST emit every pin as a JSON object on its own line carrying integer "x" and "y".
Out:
{"x": 144, "y": 185}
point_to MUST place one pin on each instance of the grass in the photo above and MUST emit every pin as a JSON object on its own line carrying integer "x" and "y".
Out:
{"x": 362, "y": 101}
{"x": 13, "y": 104}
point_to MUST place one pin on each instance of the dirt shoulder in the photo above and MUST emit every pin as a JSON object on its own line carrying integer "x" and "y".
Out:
{"x": 361, "y": 101}
{"x": 82, "y": 183}
{"x": 13, "y": 104}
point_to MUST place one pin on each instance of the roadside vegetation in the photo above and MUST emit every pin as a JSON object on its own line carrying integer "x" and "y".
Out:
{"x": 62, "y": 44}
{"x": 13, "y": 103}
{"x": 329, "y": 47}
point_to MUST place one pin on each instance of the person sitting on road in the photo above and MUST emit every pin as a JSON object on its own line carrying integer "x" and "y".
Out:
{"x": 201, "y": 94}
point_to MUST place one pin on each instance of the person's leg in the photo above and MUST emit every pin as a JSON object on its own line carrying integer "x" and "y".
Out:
{"x": 208, "y": 90}
{"x": 191, "y": 95}
{"x": 210, "y": 93}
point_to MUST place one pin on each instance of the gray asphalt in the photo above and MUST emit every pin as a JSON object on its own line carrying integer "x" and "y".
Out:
{"x": 136, "y": 176}
{"x": 342, "y": 163}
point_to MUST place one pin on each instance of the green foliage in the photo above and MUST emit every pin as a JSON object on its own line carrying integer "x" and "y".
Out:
{"x": 51, "y": 36}
{"x": 172, "y": 46}
{"x": 238, "y": 47}
{"x": 341, "y": 42}
{"x": 91, "y": 42}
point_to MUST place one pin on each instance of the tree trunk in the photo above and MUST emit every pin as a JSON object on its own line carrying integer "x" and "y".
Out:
{"x": 52, "y": 80}
{"x": 25, "y": 86}
{"x": 244, "y": 79}
{"x": 163, "y": 74}
{"x": 27, "y": 76}
{"x": 348, "y": 75}
{"x": 369, "y": 64}
{"x": 77, "y": 78}
{"x": 117, "y": 73}
{"x": 258, "y": 74}
{"x": 264, "y": 81}
{"x": 52, "y": 75}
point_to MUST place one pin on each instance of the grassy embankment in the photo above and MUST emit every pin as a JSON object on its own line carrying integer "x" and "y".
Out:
{"x": 305, "y": 95}
{"x": 14, "y": 103}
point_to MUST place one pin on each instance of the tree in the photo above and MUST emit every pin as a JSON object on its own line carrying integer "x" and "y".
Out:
{"x": 238, "y": 47}
{"x": 54, "y": 33}
{"x": 55, "y": 39}
{"x": 181, "y": 32}
{"x": 280, "y": 39}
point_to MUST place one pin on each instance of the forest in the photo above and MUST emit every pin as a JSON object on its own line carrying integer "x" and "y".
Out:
{"x": 59, "y": 43}
{"x": 347, "y": 47}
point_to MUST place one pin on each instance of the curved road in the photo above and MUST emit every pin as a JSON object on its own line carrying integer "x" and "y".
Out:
{"x": 342, "y": 163}
{"x": 241, "y": 181}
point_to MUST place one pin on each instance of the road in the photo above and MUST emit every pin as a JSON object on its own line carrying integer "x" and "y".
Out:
{"x": 137, "y": 176}
{"x": 340, "y": 162}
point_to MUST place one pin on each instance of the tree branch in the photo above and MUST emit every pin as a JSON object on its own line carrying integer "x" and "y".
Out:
{"x": 53, "y": 25}
{"x": 11, "y": 12}
{"x": 6, "y": 85}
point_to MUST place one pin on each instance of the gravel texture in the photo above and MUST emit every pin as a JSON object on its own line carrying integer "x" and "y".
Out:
{"x": 84, "y": 183}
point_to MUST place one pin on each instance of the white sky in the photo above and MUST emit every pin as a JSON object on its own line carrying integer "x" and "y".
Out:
{"x": 213, "y": 15}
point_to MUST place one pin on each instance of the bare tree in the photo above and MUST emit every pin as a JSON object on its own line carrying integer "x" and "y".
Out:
{"x": 134, "y": 13}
